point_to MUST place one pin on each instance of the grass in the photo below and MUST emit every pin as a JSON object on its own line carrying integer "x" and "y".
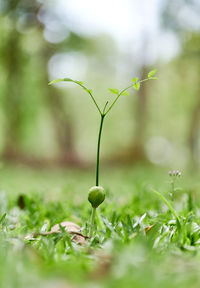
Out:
{"x": 137, "y": 242}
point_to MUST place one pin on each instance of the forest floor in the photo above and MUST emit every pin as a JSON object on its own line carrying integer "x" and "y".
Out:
{"x": 138, "y": 241}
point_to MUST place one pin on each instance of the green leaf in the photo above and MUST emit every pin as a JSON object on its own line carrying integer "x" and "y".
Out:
{"x": 2, "y": 218}
{"x": 79, "y": 82}
{"x": 154, "y": 78}
{"x": 152, "y": 73}
{"x": 134, "y": 79}
{"x": 61, "y": 80}
{"x": 125, "y": 93}
{"x": 114, "y": 91}
{"x": 55, "y": 81}
{"x": 136, "y": 86}
{"x": 89, "y": 91}
{"x": 69, "y": 80}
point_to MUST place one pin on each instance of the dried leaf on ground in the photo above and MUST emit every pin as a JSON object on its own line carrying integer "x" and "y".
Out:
{"x": 72, "y": 228}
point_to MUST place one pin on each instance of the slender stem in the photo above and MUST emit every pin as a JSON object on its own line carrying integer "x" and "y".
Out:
{"x": 144, "y": 80}
{"x": 105, "y": 107}
{"x": 92, "y": 222}
{"x": 89, "y": 92}
{"x": 98, "y": 149}
{"x": 97, "y": 168}
{"x": 172, "y": 189}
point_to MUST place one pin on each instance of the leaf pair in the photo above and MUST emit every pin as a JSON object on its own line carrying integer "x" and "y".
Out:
{"x": 151, "y": 74}
{"x": 116, "y": 91}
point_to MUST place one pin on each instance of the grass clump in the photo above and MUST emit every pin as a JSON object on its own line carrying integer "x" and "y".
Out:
{"x": 137, "y": 242}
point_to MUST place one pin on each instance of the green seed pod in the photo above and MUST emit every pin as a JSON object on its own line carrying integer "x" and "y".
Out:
{"x": 96, "y": 196}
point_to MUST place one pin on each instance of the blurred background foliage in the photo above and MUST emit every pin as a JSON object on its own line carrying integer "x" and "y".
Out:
{"x": 57, "y": 125}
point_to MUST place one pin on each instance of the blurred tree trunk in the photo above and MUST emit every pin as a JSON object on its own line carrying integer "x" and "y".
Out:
{"x": 62, "y": 122}
{"x": 13, "y": 99}
{"x": 137, "y": 149}
{"x": 14, "y": 96}
{"x": 191, "y": 54}
{"x": 194, "y": 131}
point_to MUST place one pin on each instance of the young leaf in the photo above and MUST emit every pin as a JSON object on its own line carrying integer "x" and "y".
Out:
{"x": 114, "y": 91}
{"x": 152, "y": 73}
{"x": 61, "y": 80}
{"x": 89, "y": 91}
{"x": 134, "y": 79}
{"x": 136, "y": 86}
{"x": 55, "y": 81}
{"x": 69, "y": 80}
{"x": 125, "y": 93}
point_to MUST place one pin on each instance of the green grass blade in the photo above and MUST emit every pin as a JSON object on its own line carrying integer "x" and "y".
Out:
{"x": 169, "y": 206}
{"x": 2, "y": 218}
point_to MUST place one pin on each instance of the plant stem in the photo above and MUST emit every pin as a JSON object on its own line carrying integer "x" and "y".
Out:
{"x": 98, "y": 149}
{"x": 92, "y": 222}
{"x": 97, "y": 168}
{"x": 90, "y": 93}
{"x": 172, "y": 190}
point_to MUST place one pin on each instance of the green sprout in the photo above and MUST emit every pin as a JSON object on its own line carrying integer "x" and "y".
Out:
{"x": 96, "y": 193}
{"x": 174, "y": 175}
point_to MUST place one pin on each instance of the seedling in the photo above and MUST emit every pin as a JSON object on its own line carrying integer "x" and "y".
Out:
{"x": 96, "y": 194}
{"x": 173, "y": 175}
